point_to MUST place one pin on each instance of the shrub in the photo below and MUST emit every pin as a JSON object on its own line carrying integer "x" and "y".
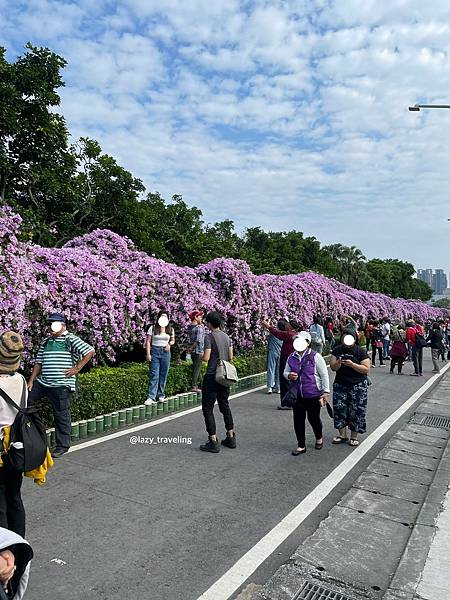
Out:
{"x": 105, "y": 389}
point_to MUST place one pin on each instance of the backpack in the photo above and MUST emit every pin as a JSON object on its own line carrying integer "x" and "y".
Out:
{"x": 28, "y": 439}
{"x": 420, "y": 341}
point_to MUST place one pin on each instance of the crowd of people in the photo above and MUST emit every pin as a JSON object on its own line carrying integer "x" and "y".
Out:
{"x": 296, "y": 370}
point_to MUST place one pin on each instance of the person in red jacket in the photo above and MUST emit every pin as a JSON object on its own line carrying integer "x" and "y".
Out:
{"x": 412, "y": 330}
{"x": 287, "y": 348}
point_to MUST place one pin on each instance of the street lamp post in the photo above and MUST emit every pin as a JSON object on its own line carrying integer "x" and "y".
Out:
{"x": 417, "y": 107}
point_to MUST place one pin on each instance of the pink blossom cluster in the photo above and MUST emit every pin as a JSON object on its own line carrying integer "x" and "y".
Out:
{"x": 109, "y": 290}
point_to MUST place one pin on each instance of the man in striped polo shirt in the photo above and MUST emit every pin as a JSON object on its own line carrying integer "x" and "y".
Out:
{"x": 60, "y": 358}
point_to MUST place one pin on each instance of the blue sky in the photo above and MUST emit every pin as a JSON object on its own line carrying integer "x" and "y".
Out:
{"x": 285, "y": 114}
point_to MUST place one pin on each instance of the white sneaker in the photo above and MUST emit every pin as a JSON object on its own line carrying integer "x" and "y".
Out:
{"x": 269, "y": 391}
{"x": 150, "y": 401}
{"x": 163, "y": 399}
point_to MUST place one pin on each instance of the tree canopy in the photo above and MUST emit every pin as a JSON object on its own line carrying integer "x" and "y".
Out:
{"x": 63, "y": 190}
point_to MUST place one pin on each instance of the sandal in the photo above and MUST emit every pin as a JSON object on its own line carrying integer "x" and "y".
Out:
{"x": 339, "y": 440}
{"x": 318, "y": 445}
{"x": 353, "y": 442}
{"x": 297, "y": 452}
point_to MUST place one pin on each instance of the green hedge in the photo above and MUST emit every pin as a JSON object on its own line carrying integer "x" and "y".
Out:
{"x": 104, "y": 389}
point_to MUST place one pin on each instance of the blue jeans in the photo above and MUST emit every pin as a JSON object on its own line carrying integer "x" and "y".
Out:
{"x": 273, "y": 370}
{"x": 386, "y": 348}
{"x": 158, "y": 371}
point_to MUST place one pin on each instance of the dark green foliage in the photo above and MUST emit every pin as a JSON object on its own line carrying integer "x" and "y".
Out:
{"x": 105, "y": 389}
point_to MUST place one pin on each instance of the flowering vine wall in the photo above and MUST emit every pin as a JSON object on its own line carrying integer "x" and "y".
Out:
{"x": 108, "y": 289}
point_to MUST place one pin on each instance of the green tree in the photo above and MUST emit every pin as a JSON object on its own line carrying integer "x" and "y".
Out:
{"x": 35, "y": 160}
{"x": 442, "y": 303}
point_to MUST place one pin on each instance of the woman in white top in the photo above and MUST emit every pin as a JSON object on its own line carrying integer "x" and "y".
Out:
{"x": 317, "y": 335}
{"x": 160, "y": 338}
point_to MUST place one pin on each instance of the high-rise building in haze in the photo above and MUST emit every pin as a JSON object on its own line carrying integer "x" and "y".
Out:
{"x": 437, "y": 281}
{"x": 425, "y": 275}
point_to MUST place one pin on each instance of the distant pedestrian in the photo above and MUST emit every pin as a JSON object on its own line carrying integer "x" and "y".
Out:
{"x": 196, "y": 346}
{"x": 414, "y": 337}
{"x": 273, "y": 359}
{"x": 329, "y": 333}
{"x": 386, "y": 331}
{"x": 368, "y": 333}
{"x": 307, "y": 369}
{"x": 218, "y": 346}
{"x": 287, "y": 337}
{"x": 399, "y": 349}
{"x": 159, "y": 342}
{"x": 351, "y": 364}
{"x": 317, "y": 335}
{"x": 436, "y": 342}
{"x": 376, "y": 341}
{"x": 15, "y": 561}
{"x": 60, "y": 358}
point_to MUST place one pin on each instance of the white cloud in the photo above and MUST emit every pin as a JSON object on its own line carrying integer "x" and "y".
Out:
{"x": 286, "y": 114}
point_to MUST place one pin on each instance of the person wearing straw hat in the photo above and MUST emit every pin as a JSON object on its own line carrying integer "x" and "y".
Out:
{"x": 60, "y": 358}
{"x": 12, "y": 512}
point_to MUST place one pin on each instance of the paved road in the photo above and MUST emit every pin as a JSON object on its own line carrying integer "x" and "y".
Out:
{"x": 165, "y": 522}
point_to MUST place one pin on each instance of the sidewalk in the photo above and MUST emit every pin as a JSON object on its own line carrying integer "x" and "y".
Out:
{"x": 389, "y": 536}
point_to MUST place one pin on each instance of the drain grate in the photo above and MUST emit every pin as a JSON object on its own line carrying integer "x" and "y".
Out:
{"x": 312, "y": 591}
{"x": 432, "y": 421}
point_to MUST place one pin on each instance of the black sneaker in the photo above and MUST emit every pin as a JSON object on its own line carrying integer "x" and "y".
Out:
{"x": 210, "y": 446}
{"x": 229, "y": 442}
{"x": 59, "y": 452}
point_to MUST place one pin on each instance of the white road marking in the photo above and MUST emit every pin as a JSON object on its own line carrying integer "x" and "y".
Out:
{"x": 177, "y": 415}
{"x": 232, "y": 580}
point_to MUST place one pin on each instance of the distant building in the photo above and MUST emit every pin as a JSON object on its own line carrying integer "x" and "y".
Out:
{"x": 437, "y": 281}
{"x": 425, "y": 275}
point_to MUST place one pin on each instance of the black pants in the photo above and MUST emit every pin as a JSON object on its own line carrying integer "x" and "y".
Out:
{"x": 397, "y": 360}
{"x": 417, "y": 358}
{"x": 302, "y": 408}
{"x": 374, "y": 354}
{"x": 212, "y": 391}
{"x": 196, "y": 366}
{"x": 60, "y": 399}
{"x": 12, "y": 512}
{"x": 284, "y": 384}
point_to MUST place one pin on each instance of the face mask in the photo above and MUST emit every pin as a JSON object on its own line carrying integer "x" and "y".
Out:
{"x": 300, "y": 344}
{"x": 348, "y": 340}
{"x": 163, "y": 321}
{"x": 56, "y": 326}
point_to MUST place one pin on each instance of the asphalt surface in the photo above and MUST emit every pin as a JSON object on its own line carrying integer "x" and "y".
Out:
{"x": 164, "y": 522}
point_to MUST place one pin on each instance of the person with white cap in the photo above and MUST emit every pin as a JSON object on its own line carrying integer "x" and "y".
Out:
{"x": 60, "y": 358}
{"x": 15, "y": 562}
{"x": 307, "y": 371}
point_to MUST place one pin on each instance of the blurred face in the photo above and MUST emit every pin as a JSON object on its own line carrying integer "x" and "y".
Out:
{"x": 348, "y": 341}
{"x": 56, "y": 328}
{"x": 163, "y": 320}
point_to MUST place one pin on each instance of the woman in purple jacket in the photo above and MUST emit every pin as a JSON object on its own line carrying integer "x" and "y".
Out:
{"x": 309, "y": 370}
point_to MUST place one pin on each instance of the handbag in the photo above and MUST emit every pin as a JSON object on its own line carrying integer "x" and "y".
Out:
{"x": 226, "y": 373}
